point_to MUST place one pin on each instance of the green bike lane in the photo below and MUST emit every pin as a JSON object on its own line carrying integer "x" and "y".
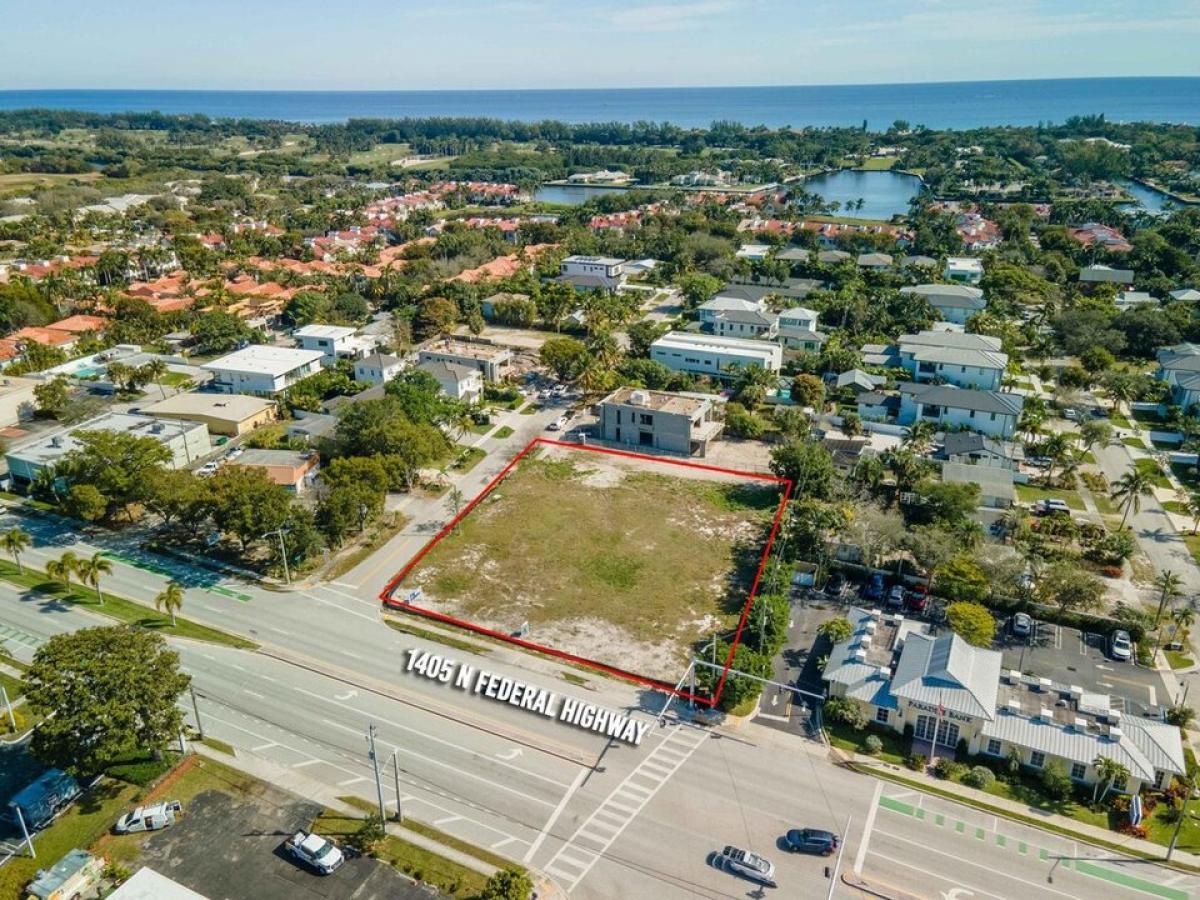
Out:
{"x": 966, "y": 853}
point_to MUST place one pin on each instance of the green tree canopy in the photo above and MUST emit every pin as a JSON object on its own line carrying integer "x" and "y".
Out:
{"x": 972, "y": 622}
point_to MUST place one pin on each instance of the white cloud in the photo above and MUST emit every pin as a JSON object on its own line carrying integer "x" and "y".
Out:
{"x": 668, "y": 16}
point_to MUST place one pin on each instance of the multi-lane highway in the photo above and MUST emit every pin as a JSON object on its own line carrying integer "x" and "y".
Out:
{"x": 603, "y": 819}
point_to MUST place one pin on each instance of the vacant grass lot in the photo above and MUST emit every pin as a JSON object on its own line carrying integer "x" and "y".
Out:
{"x": 603, "y": 559}
{"x": 1030, "y": 493}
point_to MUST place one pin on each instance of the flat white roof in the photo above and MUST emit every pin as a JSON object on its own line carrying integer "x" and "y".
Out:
{"x": 52, "y": 447}
{"x": 263, "y": 359}
{"x": 233, "y": 407}
{"x": 147, "y": 884}
{"x": 337, "y": 332}
{"x": 683, "y": 340}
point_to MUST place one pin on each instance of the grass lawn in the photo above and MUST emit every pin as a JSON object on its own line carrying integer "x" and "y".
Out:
{"x": 1119, "y": 421}
{"x": 846, "y": 737}
{"x": 381, "y": 532}
{"x": 1178, "y": 659}
{"x": 1161, "y": 830}
{"x": 1193, "y": 545}
{"x": 1136, "y": 442}
{"x": 80, "y": 826}
{"x": 219, "y": 745}
{"x": 449, "y": 877}
{"x": 176, "y": 380}
{"x": 877, "y": 163}
{"x": 118, "y": 608}
{"x": 468, "y": 459}
{"x": 425, "y": 634}
{"x": 531, "y": 409}
{"x": 503, "y": 432}
{"x": 637, "y": 556}
{"x": 1152, "y": 467}
{"x": 1175, "y": 506}
{"x": 1030, "y": 493}
{"x": 14, "y": 686}
{"x": 1106, "y": 505}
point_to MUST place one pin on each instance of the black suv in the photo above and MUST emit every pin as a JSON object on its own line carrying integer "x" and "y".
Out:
{"x": 811, "y": 840}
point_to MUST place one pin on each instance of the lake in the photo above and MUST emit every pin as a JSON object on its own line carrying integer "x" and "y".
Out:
{"x": 884, "y": 194}
{"x": 570, "y": 194}
{"x": 1145, "y": 198}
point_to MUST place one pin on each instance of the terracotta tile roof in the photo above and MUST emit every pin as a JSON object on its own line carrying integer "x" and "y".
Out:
{"x": 79, "y": 323}
{"x": 47, "y": 336}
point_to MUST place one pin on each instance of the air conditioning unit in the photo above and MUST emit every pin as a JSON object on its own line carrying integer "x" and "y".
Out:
{"x": 639, "y": 398}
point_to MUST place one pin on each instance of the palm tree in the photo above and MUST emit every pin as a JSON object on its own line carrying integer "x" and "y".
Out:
{"x": 16, "y": 542}
{"x": 1183, "y": 617}
{"x": 1129, "y": 490}
{"x": 1193, "y": 508}
{"x": 155, "y": 369}
{"x": 170, "y": 600}
{"x": 90, "y": 571}
{"x": 1010, "y": 520}
{"x": 1056, "y": 448}
{"x": 1108, "y": 771}
{"x": 920, "y": 435}
{"x": 63, "y": 568}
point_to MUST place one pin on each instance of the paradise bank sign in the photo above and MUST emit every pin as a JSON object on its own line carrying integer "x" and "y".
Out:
{"x": 502, "y": 689}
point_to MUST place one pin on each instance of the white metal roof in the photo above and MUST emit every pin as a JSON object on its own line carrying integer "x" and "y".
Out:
{"x": 264, "y": 359}
{"x": 337, "y": 332}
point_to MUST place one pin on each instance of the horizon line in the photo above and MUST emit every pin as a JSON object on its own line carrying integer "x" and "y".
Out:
{"x": 606, "y": 89}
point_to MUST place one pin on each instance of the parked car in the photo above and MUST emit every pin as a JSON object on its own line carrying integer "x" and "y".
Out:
{"x": 895, "y": 598}
{"x": 836, "y": 585}
{"x": 149, "y": 818}
{"x": 234, "y": 453}
{"x": 1070, "y": 415}
{"x": 209, "y": 468}
{"x": 1022, "y": 625}
{"x": 1120, "y": 647}
{"x": 558, "y": 424}
{"x": 918, "y": 598}
{"x": 320, "y": 853}
{"x": 748, "y": 865}
{"x": 1052, "y": 507}
{"x": 874, "y": 589}
{"x": 811, "y": 840}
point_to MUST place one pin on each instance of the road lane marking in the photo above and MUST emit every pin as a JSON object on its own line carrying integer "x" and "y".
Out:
{"x": 253, "y": 694}
{"x": 963, "y": 860}
{"x": 305, "y": 763}
{"x": 958, "y": 886}
{"x": 562, "y": 804}
{"x": 866, "y": 837}
{"x": 447, "y": 820}
{"x": 350, "y": 781}
{"x": 261, "y": 747}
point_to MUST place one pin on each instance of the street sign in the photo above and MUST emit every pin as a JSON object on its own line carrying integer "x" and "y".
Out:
{"x": 413, "y": 595}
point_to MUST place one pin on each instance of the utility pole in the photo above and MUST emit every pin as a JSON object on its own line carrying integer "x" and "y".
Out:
{"x": 375, "y": 763}
{"x": 196, "y": 710}
{"x": 287, "y": 575}
{"x": 1182, "y": 815}
{"x": 396, "y": 771}
{"x": 8, "y": 706}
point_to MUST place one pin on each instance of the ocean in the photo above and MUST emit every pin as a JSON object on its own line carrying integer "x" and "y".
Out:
{"x": 956, "y": 105}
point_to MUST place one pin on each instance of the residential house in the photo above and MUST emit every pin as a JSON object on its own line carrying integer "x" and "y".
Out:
{"x": 746, "y": 324}
{"x": 709, "y": 311}
{"x": 718, "y": 357}
{"x": 1090, "y": 276}
{"x": 954, "y": 302}
{"x": 963, "y": 269}
{"x": 1191, "y": 295}
{"x": 75, "y": 875}
{"x": 263, "y": 369}
{"x": 1179, "y": 367}
{"x": 878, "y": 262}
{"x": 846, "y": 452}
{"x": 334, "y": 341}
{"x": 858, "y": 381}
{"x": 458, "y": 381}
{"x": 378, "y": 368}
{"x": 754, "y": 252}
{"x": 797, "y": 329}
{"x": 833, "y": 257}
{"x": 918, "y": 262}
{"x": 965, "y": 360}
{"x": 877, "y": 406}
{"x": 295, "y": 470}
{"x": 488, "y": 306}
{"x": 18, "y": 402}
{"x": 659, "y": 420}
{"x": 596, "y": 271}
{"x": 228, "y": 414}
{"x": 970, "y": 448}
{"x": 1127, "y": 300}
{"x": 1096, "y": 234}
{"x": 489, "y": 360}
{"x": 793, "y": 255}
{"x": 310, "y": 427}
{"x": 947, "y": 690}
{"x": 991, "y": 412}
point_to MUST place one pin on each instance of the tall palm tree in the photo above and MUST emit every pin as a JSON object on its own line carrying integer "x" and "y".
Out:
{"x": 17, "y": 542}
{"x": 1193, "y": 508}
{"x": 90, "y": 571}
{"x": 1129, "y": 490}
{"x": 170, "y": 600}
{"x": 155, "y": 369}
{"x": 1056, "y": 448}
{"x": 1183, "y": 617}
{"x": 920, "y": 435}
{"x": 63, "y": 568}
{"x": 1108, "y": 772}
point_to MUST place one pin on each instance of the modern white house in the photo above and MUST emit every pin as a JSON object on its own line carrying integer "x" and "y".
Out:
{"x": 593, "y": 271}
{"x": 187, "y": 441}
{"x": 993, "y": 413}
{"x": 954, "y": 302}
{"x": 378, "y": 368}
{"x": 262, "y": 369}
{"x": 335, "y": 341}
{"x": 963, "y": 269}
{"x": 460, "y": 382}
{"x": 797, "y": 329}
{"x": 965, "y": 360}
{"x": 719, "y": 357}
{"x": 489, "y": 360}
{"x": 948, "y": 691}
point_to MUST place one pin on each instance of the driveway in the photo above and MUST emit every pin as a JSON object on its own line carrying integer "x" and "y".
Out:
{"x": 232, "y": 847}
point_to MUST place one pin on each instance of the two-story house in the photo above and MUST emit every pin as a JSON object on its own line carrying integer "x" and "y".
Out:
{"x": 1179, "y": 367}
{"x": 605, "y": 272}
{"x": 797, "y": 329}
{"x": 954, "y": 302}
{"x": 672, "y": 422}
{"x": 993, "y": 413}
{"x": 746, "y": 324}
{"x": 964, "y": 360}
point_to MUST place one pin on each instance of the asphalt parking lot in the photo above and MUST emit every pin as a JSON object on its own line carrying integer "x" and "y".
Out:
{"x": 232, "y": 847}
{"x": 1069, "y": 656}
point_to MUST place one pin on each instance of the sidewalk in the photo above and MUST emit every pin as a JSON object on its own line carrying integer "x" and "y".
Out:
{"x": 1087, "y": 833}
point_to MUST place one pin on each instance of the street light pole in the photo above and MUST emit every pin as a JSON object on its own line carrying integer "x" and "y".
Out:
{"x": 396, "y": 772}
{"x": 375, "y": 763}
{"x": 8, "y": 706}
{"x": 196, "y": 710}
{"x": 287, "y": 575}
{"x": 25, "y": 831}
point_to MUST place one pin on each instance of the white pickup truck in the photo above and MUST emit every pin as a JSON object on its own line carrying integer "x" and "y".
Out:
{"x": 320, "y": 853}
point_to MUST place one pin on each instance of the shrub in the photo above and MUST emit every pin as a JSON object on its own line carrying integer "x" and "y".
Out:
{"x": 873, "y": 744}
{"x": 1112, "y": 571}
{"x": 915, "y": 761}
{"x": 1137, "y": 831}
{"x": 979, "y": 777}
{"x": 1056, "y": 783}
{"x": 369, "y": 833}
{"x": 1172, "y": 812}
{"x": 848, "y": 712}
{"x": 947, "y": 768}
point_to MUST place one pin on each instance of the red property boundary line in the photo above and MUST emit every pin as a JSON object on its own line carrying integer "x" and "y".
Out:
{"x": 388, "y": 600}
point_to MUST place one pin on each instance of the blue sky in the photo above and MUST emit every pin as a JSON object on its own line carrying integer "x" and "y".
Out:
{"x": 402, "y": 44}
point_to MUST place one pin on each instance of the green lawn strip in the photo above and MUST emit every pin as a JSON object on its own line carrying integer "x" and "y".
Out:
{"x": 503, "y": 432}
{"x": 435, "y": 834}
{"x": 1136, "y": 442}
{"x": 219, "y": 745}
{"x": 468, "y": 459}
{"x": 531, "y": 409}
{"x": 382, "y": 531}
{"x": 1175, "y": 506}
{"x": 449, "y": 877}
{"x": 427, "y": 635}
{"x": 847, "y": 737}
{"x": 119, "y": 608}
{"x": 80, "y": 826}
{"x": 1030, "y": 493}
{"x": 14, "y": 686}
{"x": 574, "y": 679}
{"x": 1120, "y": 421}
{"x": 1151, "y": 467}
{"x": 1018, "y": 817}
{"x": 1178, "y": 660}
